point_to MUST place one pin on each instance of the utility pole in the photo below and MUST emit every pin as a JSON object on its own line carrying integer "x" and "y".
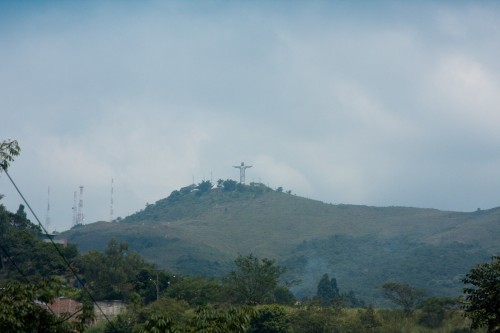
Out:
{"x": 157, "y": 284}
{"x": 157, "y": 287}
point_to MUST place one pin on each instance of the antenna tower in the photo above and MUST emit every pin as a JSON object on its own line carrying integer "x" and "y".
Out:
{"x": 47, "y": 216}
{"x": 111, "y": 203}
{"x": 75, "y": 213}
{"x": 79, "y": 216}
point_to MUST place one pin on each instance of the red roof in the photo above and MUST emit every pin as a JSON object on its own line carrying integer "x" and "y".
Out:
{"x": 64, "y": 306}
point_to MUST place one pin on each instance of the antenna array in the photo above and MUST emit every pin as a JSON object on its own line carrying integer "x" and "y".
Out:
{"x": 78, "y": 211}
{"x": 80, "y": 207}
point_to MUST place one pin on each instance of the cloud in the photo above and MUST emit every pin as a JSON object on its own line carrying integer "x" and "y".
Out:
{"x": 468, "y": 91}
{"x": 377, "y": 104}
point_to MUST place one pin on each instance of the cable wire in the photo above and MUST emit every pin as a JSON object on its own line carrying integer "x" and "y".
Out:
{"x": 19, "y": 270}
{"x": 66, "y": 262}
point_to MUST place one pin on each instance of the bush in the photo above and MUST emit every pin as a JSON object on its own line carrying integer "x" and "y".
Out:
{"x": 270, "y": 319}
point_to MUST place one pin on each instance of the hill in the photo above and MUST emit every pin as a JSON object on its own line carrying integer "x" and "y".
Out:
{"x": 200, "y": 230}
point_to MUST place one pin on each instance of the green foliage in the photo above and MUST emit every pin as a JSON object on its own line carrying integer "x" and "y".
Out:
{"x": 351, "y": 300}
{"x": 229, "y": 185}
{"x": 168, "y": 307}
{"x": 204, "y": 186}
{"x": 23, "y": 309}
{"x": 369, "y": 320}
{"x": 24, "y": 254}
{"x": 315, "y": 320}
{"x": 122, "y": 323}
{"x": 482, "y": 295}
{"x": 150, "y": 285}
{"x": 254, "y": 281}
{"x": 363, "y": 264}
{"x": 196, "y": 290}
{"x": 8, "y": 150}
{"x": 209, "y": 320}
{"x": 403, "y": 295}
{"x": 327, "y": 290}
{"x": 284, "y": 296}
{"x": 198, "y": 235}
{"x": 158, "y": 324}
{"x": 434, "y": 310}
{"x": 113, "y": 275}
{"x": 192, "y": 200}
{"x": 270, "y": 319}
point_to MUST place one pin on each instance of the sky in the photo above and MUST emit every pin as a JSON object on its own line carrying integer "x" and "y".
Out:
{"x": 384, "y": 103}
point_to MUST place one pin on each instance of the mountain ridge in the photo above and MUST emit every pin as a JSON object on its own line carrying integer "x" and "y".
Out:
{"x": 200, "y": 230}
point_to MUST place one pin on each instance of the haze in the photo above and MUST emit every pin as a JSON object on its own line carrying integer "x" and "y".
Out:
{"x": 374, "y": 103}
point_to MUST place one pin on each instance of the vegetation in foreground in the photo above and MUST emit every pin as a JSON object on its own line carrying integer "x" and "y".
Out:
{"x": 199, "y": 229}
{"x": 252, "y": 297}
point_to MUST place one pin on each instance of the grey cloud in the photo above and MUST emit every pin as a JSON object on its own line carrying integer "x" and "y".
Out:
{"x": 371, "y": 105}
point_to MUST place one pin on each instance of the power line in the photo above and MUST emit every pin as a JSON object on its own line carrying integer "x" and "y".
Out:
{"x": 25, "y": 277}
{"x": 66, "y": 262}
{"x": 19, "y": 270}
{"x": 9, "y": 257}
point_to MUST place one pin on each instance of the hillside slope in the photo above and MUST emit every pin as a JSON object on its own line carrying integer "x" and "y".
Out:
{"x": 200, "y": 232}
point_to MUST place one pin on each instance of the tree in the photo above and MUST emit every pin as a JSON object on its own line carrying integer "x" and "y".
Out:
{"x": 434, "y": 310}
{"x": 24, "y": 254}
{"x": 122, "y": 323}
{"x": 369, "y": 320}
{"x": 283, "y": 295}
{"x": 208, "y": 320}
{"x": 309, "y": 320}
{"x": 350, "y": 300}
{"x": 157, "y": 323}
{"x": 196, "y": 290}
{"x": 229, "y": 185}
{"x": 112, "y": 275}
{"x": 270, "y": 319}
{"x": 327, "y": 290}
{"x": 482, "y": 295}
{"x": 151, "y": 284}
{"x": 8, "y": 150}
{"x": 22, "y": 310}
{"x": 254, "y": 281}
{"x": 403, "y": 295}
{"x": 204, "y": 186}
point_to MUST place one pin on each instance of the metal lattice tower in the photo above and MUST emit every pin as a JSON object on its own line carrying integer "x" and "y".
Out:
{"x": 111, "y": 203}
{"x": 80, "y": 216}
{"x": 242, "y": 168}
{"x": 75, "y": 212}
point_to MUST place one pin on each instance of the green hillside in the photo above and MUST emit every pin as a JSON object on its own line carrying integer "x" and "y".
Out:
{"x": 199, "y": 231}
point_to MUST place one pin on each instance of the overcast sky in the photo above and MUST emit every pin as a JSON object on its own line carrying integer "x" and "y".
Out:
{"x": 373, "y": 103}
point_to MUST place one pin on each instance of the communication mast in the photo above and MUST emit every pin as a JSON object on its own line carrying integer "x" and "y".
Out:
{"x": 111, "y": 203}
{"x": 47, "y": 216}
{"x": 80, "y": 206}
{"x": 75, "y": 212}
{"x": 78, "y": 211}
